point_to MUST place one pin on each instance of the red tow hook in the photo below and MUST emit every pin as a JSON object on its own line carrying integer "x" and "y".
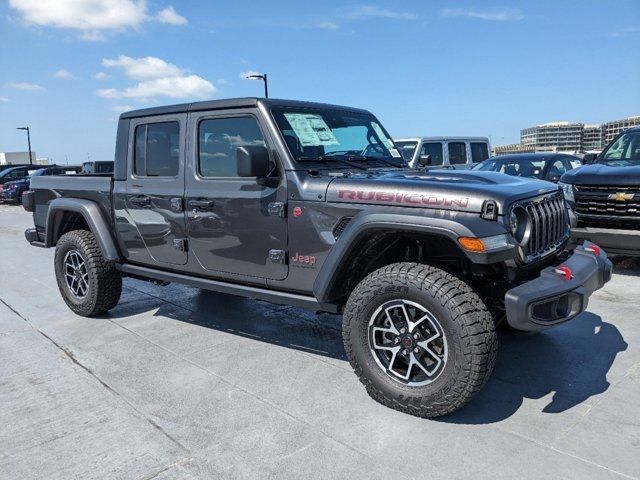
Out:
{"x": 593, "y": 248}
{"x": 565, "y": 272}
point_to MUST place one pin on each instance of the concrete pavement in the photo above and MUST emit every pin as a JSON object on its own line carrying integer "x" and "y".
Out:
{"x": 181, "y": 383}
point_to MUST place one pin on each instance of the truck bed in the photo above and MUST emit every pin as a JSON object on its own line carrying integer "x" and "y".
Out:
{"x": 97, "y": 188}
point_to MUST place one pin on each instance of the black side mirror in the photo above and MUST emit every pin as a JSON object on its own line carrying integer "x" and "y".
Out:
{"x": 253, "y": 161}
{"x": 589, "y": 158}
{"x": 425, "y": 160}
{"x": 553, "y": 178}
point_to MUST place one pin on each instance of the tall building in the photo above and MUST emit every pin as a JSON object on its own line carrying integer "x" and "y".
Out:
{"x": 591, "y": 138}
{"x": 611, "y": 129}
{"x": 564, "y": 136}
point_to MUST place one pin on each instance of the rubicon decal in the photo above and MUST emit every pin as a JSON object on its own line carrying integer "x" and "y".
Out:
{"x": 403, "y": 198}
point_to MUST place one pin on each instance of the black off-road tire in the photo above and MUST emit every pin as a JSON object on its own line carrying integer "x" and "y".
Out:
{"x": 465, "y": 320}
{"x": 104, "y": 281}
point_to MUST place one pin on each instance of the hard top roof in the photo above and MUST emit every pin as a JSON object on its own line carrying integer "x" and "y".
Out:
{"x": 230, "y": 103}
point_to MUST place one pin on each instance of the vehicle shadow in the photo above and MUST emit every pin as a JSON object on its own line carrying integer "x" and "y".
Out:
{"x": 570, "y": 361}
{"x": 629, "y": 266}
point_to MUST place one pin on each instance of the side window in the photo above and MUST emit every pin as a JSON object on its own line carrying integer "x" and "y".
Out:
{"x": 479, "y": 152}
{"x": 457, "y": 153}
{"x": 218, "y": 139}
{"x": 435, "y": 150}
{"x": 157, "y": 149}
{"x": 556, "y": 170}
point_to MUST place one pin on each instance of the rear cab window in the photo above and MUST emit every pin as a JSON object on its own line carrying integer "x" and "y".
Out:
{"x": 479, "y": 152}
{"x": 157, "y": 149}
{"x": 457, "y": 153}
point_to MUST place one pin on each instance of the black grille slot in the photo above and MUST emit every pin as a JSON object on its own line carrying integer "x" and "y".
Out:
{"x": 549, "y": 227}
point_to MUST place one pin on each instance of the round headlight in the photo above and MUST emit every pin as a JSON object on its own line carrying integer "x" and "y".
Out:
{"x": 520, "y": 225}
{"x": 513, "y": 222}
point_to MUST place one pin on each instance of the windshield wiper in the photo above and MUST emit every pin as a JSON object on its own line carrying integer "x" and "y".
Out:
{"x": 325, "y": 158}
{"x": 369, "y": 158}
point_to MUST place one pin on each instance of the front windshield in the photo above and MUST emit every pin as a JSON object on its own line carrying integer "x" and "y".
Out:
{"x": 319, "y": 134}
{"x": 513, "y": 167}
{"x": 623, "y": 152}
{"x": 407, "y": 148}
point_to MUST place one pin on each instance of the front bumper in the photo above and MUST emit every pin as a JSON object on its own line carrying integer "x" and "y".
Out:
{"x": 560, "y": 293}
{"x": 616, "y": 241}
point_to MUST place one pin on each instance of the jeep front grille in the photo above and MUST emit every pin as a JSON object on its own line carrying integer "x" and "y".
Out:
{"x": 549, "y": 226}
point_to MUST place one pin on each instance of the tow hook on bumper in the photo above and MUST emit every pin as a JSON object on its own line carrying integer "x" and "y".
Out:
{"x": 561, "y": 292}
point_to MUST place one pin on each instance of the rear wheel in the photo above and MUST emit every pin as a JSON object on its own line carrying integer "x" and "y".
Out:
{"x": 89, "y": 284}
{"x": 419, "y": 338}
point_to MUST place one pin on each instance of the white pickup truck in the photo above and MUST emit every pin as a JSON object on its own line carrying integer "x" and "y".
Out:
{"x": 449, "y": 152}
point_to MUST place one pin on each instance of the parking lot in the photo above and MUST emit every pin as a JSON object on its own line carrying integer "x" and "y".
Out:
{"x": 181, "y": 383}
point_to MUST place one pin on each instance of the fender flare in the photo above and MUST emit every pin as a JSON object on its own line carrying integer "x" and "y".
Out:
{"x": 451, "y": 229}
{"x": 91, "y": 214}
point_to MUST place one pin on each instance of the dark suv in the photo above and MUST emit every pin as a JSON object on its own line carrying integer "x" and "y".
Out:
{"x": 312, "y": 205}
{"x": 11, "y": 192}
{"x": 604, "y": 196}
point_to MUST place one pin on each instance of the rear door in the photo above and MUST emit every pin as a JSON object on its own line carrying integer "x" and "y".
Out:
{"x": 154, "y": 198}
{"x": 236, "y": 226}
{"x": 457, "y": 153}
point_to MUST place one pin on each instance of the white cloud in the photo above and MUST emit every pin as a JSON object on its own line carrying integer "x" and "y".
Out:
{"x": 62, "y": 74}
{"x": 4, "y": 99}
{"x": 508, "y": 15}
{"x": 31, "y": 87}
{"x": 328, "y": 26}
{"x": 91, "y": 17}
{"x": 249, "y": 73}
{"x": 364, "y": 12}
{"x": 122, "y": 108}
{"x": 157, "y": 78}
{"x": 191, "y": 86}
{"x": 170, "y": 16}
{"x": 101, "y": 76}
{"x": 144, "y": 67}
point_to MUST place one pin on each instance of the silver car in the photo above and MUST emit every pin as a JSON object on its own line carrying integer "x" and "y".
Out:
{"x": 449, "y": 152}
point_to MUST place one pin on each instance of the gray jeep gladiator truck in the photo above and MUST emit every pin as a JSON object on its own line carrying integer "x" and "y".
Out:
{"x": 312, "y": 205}
{"x": 604, "y": 196}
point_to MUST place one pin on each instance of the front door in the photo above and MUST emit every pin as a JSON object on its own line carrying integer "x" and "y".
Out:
{"x": 154, "y": 196}
{"x": 234, "y": 223}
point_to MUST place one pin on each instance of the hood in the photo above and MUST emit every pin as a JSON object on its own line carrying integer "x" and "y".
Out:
{"x": 599, "y": 174}
{"x": 463, "y": 190}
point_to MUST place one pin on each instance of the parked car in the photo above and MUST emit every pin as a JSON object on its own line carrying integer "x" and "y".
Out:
{"x": 447, "y": 152}
{"x": 11, "y": 192}
{"x": 17, "y": 173}
{"x": 604, "y": 196}
{"x": 14, "y": 165}
{"x": 103, "y": 166}
{"x": 543, "y": 166}
{"x": 311, "y": 205}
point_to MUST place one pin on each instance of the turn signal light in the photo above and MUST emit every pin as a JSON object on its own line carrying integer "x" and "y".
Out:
{"x": 472, "y": 244}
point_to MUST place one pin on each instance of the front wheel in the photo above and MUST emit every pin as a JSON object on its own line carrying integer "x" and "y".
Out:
{"x": 89, "y": 284}
{"x": 419, "y": 339}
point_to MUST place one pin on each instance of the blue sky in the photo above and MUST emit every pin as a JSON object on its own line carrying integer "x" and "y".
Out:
{"x": 423, "y": 67}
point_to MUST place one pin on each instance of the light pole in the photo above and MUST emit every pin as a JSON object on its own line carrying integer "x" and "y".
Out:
{"x": 260, "y": 76}
{"x": 28, "y": 142}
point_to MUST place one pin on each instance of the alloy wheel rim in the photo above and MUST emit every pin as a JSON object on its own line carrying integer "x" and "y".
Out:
{"x": 76, "y": 274}
{"x": 407, "y": 342}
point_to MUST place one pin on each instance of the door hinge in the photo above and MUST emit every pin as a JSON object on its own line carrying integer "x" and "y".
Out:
{"x": 277, "y": 209}
{"x": 278, "y": 256}
{"x": 177, "y": 204}
{"x": 180, "y": 244}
